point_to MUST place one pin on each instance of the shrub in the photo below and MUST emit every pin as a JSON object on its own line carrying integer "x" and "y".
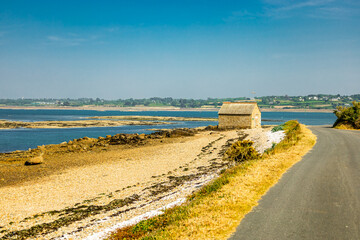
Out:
{"x": 348, "y": 116}
{"x": 242, "y": 151}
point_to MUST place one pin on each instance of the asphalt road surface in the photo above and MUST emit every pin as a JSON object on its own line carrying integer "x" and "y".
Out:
{"x": 318, "y": 198}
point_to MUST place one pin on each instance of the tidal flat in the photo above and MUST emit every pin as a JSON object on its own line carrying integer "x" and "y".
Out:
{"x": 154, "y": 118}
{"x": 100, "y": 121}
{"x": 5, "y": 124}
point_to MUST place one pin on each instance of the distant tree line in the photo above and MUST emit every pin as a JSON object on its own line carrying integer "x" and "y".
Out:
{"x": 319, "y": 101}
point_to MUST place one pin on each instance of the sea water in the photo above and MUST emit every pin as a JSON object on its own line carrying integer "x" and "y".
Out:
{"x": 23, "y": 138}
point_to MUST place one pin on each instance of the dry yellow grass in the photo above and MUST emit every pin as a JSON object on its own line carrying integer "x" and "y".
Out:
{"x": 218, "y": 215}
{"x": 345, "y": 127}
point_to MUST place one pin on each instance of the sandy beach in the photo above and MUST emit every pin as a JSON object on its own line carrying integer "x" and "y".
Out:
{"x": 93, "y": 190}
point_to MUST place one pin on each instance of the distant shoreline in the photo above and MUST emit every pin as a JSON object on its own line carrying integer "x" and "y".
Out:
{"x": 140, "y": 109}
{"x": 5, "y": 124}
{"x": 297, "y": 110}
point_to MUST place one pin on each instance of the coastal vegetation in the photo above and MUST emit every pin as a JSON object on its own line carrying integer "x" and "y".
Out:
{"x": 242, "y": 151}
{"x": 216, "y": 210}
{"x": 348, "y": 117}
{"x": 314, "y": 101}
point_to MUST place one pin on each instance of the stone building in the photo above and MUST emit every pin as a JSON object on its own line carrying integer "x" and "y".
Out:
{"x": 239, "y": 115}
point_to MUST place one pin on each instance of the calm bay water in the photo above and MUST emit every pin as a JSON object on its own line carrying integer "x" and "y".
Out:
{"x": 21, "y": 139}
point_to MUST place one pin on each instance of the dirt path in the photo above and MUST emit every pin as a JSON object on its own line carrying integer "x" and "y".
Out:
{"x": 118, "y": 184}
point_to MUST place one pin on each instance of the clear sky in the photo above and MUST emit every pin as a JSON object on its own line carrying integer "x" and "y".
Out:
{"x": 181, "y": 49}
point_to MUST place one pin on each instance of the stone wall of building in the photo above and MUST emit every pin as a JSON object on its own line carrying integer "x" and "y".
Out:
{"x": 256, "y": 118}
{"x": 235, "y": 121}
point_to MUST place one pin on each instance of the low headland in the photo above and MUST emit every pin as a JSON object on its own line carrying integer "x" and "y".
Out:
{"x": 5, "y": 124}
{"x": 154, "y": 118}
{"x": 100, "y": 121}
{"x": 108, "y": 121}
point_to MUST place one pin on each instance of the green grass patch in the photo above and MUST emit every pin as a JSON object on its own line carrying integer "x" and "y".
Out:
{"x": 278, "y": 128}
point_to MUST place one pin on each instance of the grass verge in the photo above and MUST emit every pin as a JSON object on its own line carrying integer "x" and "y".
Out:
{"x": 345, "y": 127}
{"x": 216, "y": 210}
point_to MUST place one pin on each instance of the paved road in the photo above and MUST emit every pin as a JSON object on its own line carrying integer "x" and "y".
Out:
{"x": 318, "y": 198}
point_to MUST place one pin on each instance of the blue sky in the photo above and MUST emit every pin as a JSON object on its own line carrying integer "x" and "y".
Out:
{"x": 181, "y": 49}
